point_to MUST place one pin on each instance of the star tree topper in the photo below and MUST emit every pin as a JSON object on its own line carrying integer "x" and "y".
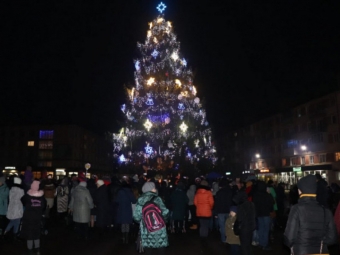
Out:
{"x": 161, "y": 7}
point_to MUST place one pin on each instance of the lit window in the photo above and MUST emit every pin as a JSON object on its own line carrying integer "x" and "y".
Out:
{"x": 337, "y": 156}
{"x": 30, "y": 143}
{"x": 45, "y": 145}
{"x": 46, "y": 134}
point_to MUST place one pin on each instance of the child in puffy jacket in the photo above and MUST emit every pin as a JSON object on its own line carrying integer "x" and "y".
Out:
{"x": 232, "y": 239}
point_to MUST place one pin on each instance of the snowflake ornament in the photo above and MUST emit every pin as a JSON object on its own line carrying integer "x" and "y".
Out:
{"x": 155, "y": 54}
{"x": 161, "y": 7}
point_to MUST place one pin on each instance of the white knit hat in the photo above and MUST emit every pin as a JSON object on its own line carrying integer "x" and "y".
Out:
{"x": 17, "y": 180}
{"x": 100, "y": 183}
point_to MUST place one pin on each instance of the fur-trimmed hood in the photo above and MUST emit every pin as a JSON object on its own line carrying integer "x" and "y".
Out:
{"x": 38, "y": 193}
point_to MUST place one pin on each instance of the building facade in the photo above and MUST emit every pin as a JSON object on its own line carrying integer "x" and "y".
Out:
{"x": 58, "y": 149}
{"x": 289, "y": 145}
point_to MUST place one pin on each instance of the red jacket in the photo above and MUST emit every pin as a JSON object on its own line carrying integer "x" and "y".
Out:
{"x": 204, "y": 202}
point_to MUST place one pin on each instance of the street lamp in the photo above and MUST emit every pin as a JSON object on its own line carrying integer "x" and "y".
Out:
{"x": 257, "y": 155}
{"x": 303, "y": 147}
{"x": 87, "y": 167}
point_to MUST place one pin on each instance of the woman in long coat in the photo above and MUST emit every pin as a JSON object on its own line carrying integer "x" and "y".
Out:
{"x": 35, "y": 205}
{"x": 80, "y": 206}
{"x": 158, "y": 239}
{"x": 125, "y": 198}
{"x": 179, "y": 202}
{"x": 102, "y": 203}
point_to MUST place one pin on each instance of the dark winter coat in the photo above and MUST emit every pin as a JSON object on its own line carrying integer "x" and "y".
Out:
{"x": 179, "y": 201}
{"x": 245, "y": 213}
{"x": 35, "y": 205}
{"x": 223, "y": 200}
{"x": 158, "y": 239}
{"x": 308, "y": 224}
{"x": 124, "y": 199}
{"x": 322, "y": 193}
{"x": 102, "y": 204}
{"x": 263, "y": 201}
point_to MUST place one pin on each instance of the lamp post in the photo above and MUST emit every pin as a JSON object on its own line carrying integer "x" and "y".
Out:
{"x": 303, "y": 147}
{"x": 87, "y": 167}
{"x": 257, "y": 155}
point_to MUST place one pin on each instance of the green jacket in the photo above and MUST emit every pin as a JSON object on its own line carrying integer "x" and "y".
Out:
{"x": 156, "y": 239}
{"x": 229, "y": 231}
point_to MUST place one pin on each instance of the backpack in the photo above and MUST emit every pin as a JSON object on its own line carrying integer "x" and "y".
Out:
{"x": 152, "y": 216}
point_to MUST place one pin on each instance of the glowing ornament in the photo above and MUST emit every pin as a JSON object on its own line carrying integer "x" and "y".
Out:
{"x": 155, "y": 53}
{"x": 178, "y": 71}
{"x": 197, "y": 143}
{"x": 169, "y": 24}
{"x": 148, "y": 124}
{"x": 197, "y": 100}
{"x": 123, "y": 107}
{"x": 167, "y": 120}
{"x": 150, "y": 81}
{"x": 180, "y": 97}
{"x": 149, "y": 101}
{"x": 178, "y": 82}
{"x": 181, "y": 106}
{"x": 183, "y": 127}
{"x": 137, "y": 65}
{"x": 184, "y": 62}
{"x": 149, "y": 34}
{"x": 122, "y": 158}
{"x": 150, "y": 25}
{"x": 160, "y": 20}
{"x": 194, "y": 91}
{"x": 161, "y": 7}
{"x": 148, "y": 149}
{"x": 155, "y": 40}
{"x": 174, "y": 56}
{"x": 184, "y": 93}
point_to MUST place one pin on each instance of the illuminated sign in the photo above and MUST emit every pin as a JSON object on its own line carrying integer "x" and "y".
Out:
{"x": 264, "y": 171}
{"x": 9, "y": 167}
{"x": 296, "y": 169}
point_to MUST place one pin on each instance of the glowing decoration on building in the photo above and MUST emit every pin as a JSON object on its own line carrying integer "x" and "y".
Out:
{"x": 137, "y": 65}
{"x": 174, "y": 56}
{"x": 178, "y": 82}
{"x": 150, "y": 81}
{"x": 181, "y": 106}
{"x": 148, "y": 149}
{"x": 155, "y": 53}
{"x": 161, "y": 7}
{"x": 184, "y": 62}
{"x": 183, "y": 127}
{"x": 149, "y": 101}
{"x": 148, "y": 124}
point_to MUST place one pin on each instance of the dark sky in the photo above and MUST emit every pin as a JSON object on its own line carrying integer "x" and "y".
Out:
{"x": 67, "y": 63}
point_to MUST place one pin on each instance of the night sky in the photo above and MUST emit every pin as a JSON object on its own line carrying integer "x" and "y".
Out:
{"x": 67, "y": 63}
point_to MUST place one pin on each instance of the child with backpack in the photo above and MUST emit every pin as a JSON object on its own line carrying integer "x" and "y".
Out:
{"x": 151, "y": 214}
{"x": 232, "y": 239}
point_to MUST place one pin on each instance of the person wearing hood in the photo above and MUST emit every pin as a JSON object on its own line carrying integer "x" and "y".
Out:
{"x": 35, "y": 206}
{"x": 80, "y": 206}
{"x": 15, "y": 207}
{"x": 125, "y": 198}
{"x": 246, "y": 221}
{"x": 156, "y": 239}
{"x": 192, "y": 208}
{"x": 179, "y": 202}
{"x": 310, "y": 227}
{"x": 263, "y": 202}
{"x": 204, "y": 203}
{"x": 4, "y": 191}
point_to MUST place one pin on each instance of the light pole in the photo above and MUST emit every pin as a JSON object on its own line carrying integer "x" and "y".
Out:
{"x": 87, "y": 167}
{"x": 303, "y": 147}
{"x": 257, "y": 155}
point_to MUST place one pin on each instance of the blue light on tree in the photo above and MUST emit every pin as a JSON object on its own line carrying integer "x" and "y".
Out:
{"x": 181, "y": 106}
{"x": 155, "y": 53}
{"x": 161, "y": 7}
{"x": 148, "y": 149}
{"x": 149, "y": 101}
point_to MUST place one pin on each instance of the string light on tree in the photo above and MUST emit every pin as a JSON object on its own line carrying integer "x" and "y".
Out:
{"x": 174, "y": 56}
{"x": 148, "y": 149}
{"x": 148, "y": 124}
{"x": 183, "y": 127}
{"x": 155, "y": 53}
{"x": 150, "y": 81}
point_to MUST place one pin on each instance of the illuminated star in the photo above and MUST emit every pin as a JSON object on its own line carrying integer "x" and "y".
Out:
{"x": 174, "y": 56}
{"x": 183, "y": 127}
{"x": 150, "y": 81}
{"x": 148, "y": 124}
{"x": 161, "y": 7}
{"x": 155, "y": 53}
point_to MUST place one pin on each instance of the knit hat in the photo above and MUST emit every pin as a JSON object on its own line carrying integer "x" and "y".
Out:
{"x": 2, "y": 179}
{"x": 35, "y": 185}
{"x": 100, "y": 183}
{"x": 233, "y": 209}
{"x": 148, "y": 186}
{"x": 204, "y": 183}
{"x": 307, "y": 184}
{"x": 17, "y": 180}
{"x": 81, "y": 177}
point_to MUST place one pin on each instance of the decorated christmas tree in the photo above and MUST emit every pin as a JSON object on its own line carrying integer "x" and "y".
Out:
{"x": 164, "y": 114}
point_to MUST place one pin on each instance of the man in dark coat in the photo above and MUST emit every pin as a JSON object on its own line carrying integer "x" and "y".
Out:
{"x": 102, "y": 204}
{"x": 321, "y": 191}
{"x": 223, "y": 201}
{"x": 246, "y": 219}
{"x": 310, "y": 227}
{"x": 179, "y": 202}
{"x": 263, "y": 202}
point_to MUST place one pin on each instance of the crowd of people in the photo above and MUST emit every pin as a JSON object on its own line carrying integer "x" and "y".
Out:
{"x": 146, "y": 208}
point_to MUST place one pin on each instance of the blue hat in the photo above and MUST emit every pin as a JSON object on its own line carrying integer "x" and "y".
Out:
{"x": 233, "y": 208}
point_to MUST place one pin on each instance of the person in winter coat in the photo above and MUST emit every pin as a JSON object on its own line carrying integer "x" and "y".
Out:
{"x": 49, "y": 193}
{"x": 310, "y": 227}
{"x": 179, "y": 201}
{"x": 62, "y": 199}
{"x": 192, "y": 208}
{"x": 263, "y": 202}
{"x": 15, "y": 208}
{"x": 246, "y": 219}
{"x": 157, "y": 239}
{"x": 337, "y": 220}
{"x": 4, "y": 191}
{"x": 80, "y": 206}
{"x": 321, "y": 191}
{"x": 35, "y": 206}
{"x": 102, "y": 204}
{"x": 124, "y": 200}
{"x": 232, "y": 239}
{"x": 223, "y": 201}
{"x": 204, "y": 203}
